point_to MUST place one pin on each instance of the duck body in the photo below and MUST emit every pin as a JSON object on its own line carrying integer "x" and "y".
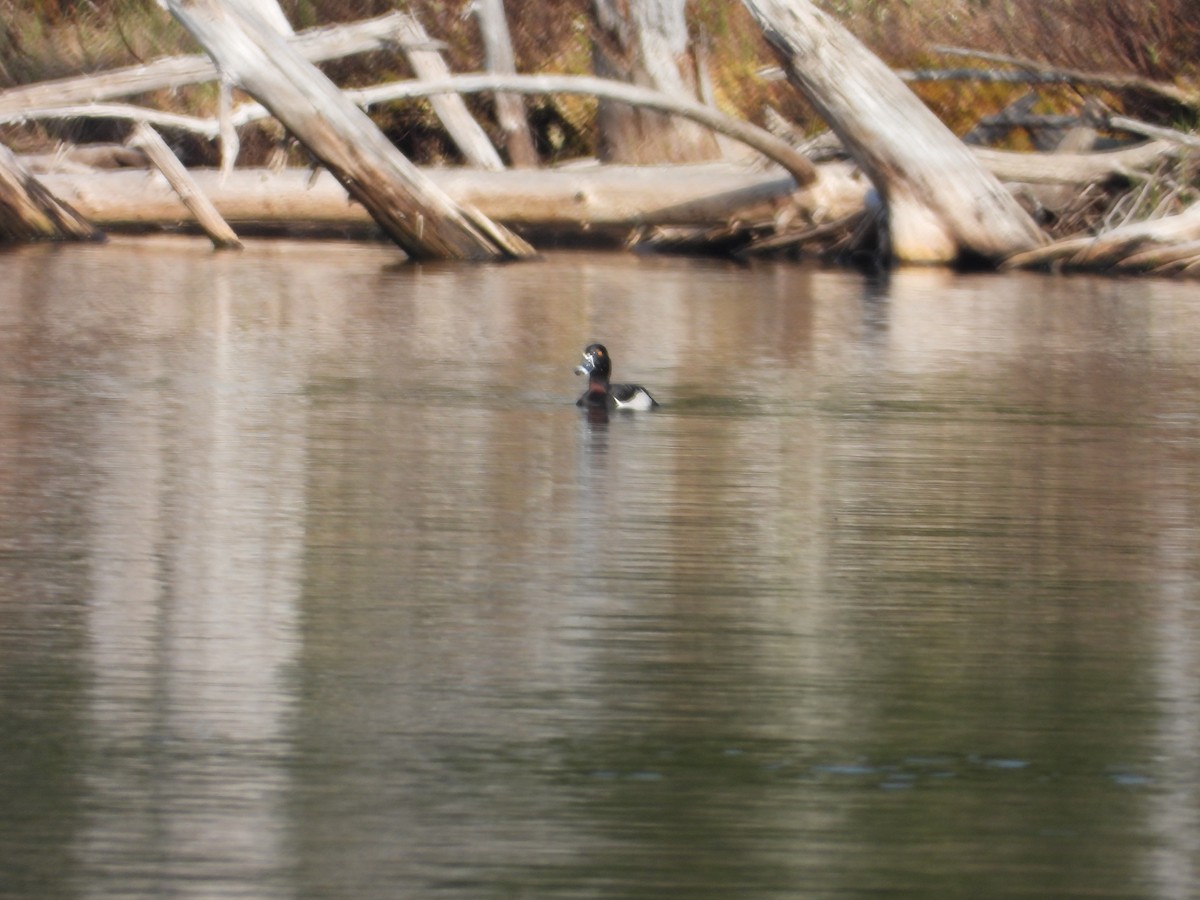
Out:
{"x": 601, "y": 392}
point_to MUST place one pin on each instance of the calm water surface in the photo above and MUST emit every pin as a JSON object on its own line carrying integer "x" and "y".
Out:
{"x": 314, "y": 582}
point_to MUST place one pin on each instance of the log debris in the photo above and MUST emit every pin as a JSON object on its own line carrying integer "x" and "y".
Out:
{"x": 407, "y": 206}
{"x": 28, "y": 211}
{"x": 1165, "y": 246}
{"x": 942, "y": 204}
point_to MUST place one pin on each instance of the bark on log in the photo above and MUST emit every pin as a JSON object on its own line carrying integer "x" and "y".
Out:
{"x": 407, "y": 206}
{"x": 570, "y": 200}
{"x": 314, "y": 45}
{"x": 942, "y": 204}
{"x": 147, "y": 139}
{"x": 499, "y": 60}
{"x": 28, "y": 211}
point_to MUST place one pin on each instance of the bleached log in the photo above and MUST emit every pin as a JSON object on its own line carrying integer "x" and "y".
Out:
{"x": 942, "y": 204}
{"x": 773, "y": 148}
{"x": 148, "y": 140}
{"x": 314, "y": 45}
{"x": 1028, "y": 168}
{"x": 592, "y": 198}
{"x": 408, "y": 207}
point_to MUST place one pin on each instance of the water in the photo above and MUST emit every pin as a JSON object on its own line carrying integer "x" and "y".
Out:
{"x": 315, "y": 583}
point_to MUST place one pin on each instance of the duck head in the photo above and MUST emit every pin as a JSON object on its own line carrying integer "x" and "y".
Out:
{"x": 596, "y": 364}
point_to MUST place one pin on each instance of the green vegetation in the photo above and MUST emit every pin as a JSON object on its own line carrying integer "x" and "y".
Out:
{"x": 43, "y": 39}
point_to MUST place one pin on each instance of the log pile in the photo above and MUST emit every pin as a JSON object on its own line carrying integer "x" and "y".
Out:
{"x": 889, "y": 179}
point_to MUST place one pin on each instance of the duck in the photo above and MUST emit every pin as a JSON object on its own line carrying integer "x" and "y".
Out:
{"x": 597, "y": 366}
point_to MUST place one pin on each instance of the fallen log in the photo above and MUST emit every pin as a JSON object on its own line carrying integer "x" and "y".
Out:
{"x": 575, "y": 200}
{"x": 942, "y": 204}
{"x": 28, "y": 211}
{"x": 405, "y": 204}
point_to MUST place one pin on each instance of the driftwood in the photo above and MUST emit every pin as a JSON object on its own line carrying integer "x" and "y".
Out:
{"x": 941, "y": 203}
{"x": 28, "y": 211}
{"x": 409, "y": 208}
{"x": 580, "y": 200}
{"x": 314, "y": 45}
{"x": 1075, "y": 168}
{"x": 766, "y": 143}
{"x": 1169, "y": 245}
{"x": 1036, "y": 168}
{"x": 147, "y": 139}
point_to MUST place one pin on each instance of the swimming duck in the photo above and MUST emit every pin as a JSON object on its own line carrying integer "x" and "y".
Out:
{"x": 597, "y": 366}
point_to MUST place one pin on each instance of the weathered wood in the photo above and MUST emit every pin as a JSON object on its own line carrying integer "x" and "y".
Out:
{"x": 646, "y": 43}
{"x": 1037, "y": 72}
{"x": 499, "y": 60}
{"x": 428, "y": 65}
{"x": 942, "y": 204}
{"x": 28, "y": 211}
{"x": 1033, "y": 168}
{"x": 314, "y": 45}
{"x": 574, "y": 199}
{"x": 147, "y": 139}
{"x": 1075, "y": 168}
{"x": 773, "y": 148}
{"x": 408, "y": 207}
{"x": 1166, "y": 243}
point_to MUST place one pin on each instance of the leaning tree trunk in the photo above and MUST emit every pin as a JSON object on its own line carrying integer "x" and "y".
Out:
{"x": 942, "y": 204}
{"x": 408, "y": 207}
{"x": 645, "y": 42}
{"x": 499, "y": 60}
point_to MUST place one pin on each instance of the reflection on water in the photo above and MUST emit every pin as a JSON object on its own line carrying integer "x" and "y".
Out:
{"x": 314, "y": 581}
